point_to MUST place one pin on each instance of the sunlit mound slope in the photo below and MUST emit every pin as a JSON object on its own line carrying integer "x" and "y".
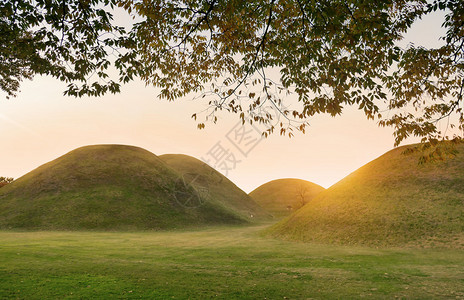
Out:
{"x": 216, "y": 186}
{"x": 281, "y": 197}
{"x": 390, "y": 201}
{"x": 107, "y": 187}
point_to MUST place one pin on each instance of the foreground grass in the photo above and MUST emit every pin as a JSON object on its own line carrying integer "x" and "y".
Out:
{"x": 220, "y": 262}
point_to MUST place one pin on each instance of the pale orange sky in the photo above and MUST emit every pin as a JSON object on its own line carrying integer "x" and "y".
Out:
{"x": 42, "y": 124}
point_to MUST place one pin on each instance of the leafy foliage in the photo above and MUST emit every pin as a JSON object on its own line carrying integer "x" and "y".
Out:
{"x": 5, "y": 180}
{"x": 332, "y": 54}
{"x": 245, "y": 55}
{"x": 71, "y": 40}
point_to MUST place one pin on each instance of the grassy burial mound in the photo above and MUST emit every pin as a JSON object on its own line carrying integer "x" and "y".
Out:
{"x": 390, "y": 201}
{"x": 107, "y": 187}
{"x": 219, "y": 189}
{"x": 281, "y": 197}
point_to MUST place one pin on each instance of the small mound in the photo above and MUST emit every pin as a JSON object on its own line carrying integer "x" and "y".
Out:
{"x": 107, "y": 187}
{"x": 282, "y": 197}
{"x": 390, "y": 201}
{"x": 218, "y": 188}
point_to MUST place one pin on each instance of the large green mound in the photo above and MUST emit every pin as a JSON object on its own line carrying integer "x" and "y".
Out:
{"x": 281, "y": 197}
{"x": 216, "y": 186}
{"x": 390, "y": 201}
{"x": 107, "y": 187}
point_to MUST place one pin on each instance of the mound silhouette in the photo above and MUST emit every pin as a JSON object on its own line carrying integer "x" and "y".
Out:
{"x": 107, "y": 187}
{"x": 281, "y": 197}
{"x": 220, "y": 189}
{"x": 392, "y": 200}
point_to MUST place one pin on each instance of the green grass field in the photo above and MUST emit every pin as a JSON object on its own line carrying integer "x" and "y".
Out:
{"x": 282, "y": 197}
{"x": 220, "y": 262}
{"x": 116, "y": 187}
{"x": 391, "y": 201}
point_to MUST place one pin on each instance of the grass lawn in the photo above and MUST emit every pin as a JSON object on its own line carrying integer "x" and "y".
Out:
{"x": 227, "y": 262}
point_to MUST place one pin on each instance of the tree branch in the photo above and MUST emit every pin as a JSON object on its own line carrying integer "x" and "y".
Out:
{"x": 258, "y": 48}
{"x": 204, "y": 18}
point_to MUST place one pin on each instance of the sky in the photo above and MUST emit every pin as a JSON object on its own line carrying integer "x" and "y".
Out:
{"x": 41, "y": 124}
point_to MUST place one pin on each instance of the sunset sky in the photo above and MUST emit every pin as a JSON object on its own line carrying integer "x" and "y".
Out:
{"x": 41, "y": 124}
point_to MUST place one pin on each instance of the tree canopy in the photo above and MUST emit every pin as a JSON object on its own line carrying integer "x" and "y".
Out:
{"x": 244, "y": 55}
{"x": 72, "y": 40}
